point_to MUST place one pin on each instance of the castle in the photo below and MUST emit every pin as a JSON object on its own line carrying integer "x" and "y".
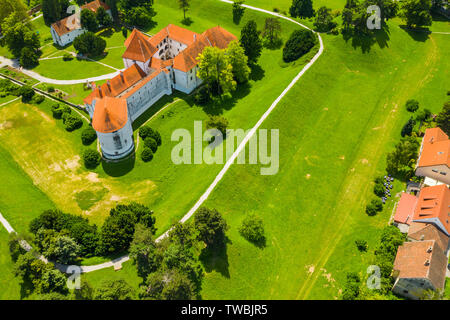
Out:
{"x": 155, "y": 66}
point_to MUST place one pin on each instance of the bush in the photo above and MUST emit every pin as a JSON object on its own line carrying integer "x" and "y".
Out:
{"x": 408, "y": 127}
{"x": 91, "y": 158}
{"x": 146, "y": 131}
{"x": 38, "y": 99}
{"x": 27, "y": 93}
{"x": 29, "y": 58}
{"x": 423, "y": 115}
{"x": 147, "y": 154}
{"x": 412, "y": 105}
{"x": 374, "y": 207}
{"x": 50, "y": 89}
{"x": 299, "y": 43}
{"x": 88, "y": 136}
{"x": 72, "y": 122}
{"x": 90, "y": 44}
{"x": 252, "y": 229}
{"x": 361, "y": 245}
{"x": 379, "y": 189}
{"x": 57, "y": 111}
{"x": 149, "y": 142}
{"x": 67, "y": 57}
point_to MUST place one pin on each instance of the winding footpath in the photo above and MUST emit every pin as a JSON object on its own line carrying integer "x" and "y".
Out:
{"x": 116, "y": 263}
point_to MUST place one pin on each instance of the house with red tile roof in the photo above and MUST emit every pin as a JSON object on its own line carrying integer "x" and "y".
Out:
{"x": 66, "y": 30}
{"x": 433, "y": 206}
{"x": 434, "y": 157}
{"x": 419, "y": 266}
{"x": 405, "y": 211}
{"x": 154, "y": 66}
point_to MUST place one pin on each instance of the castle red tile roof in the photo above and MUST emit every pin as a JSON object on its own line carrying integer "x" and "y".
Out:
{"x": 139, "y": 47}
{"x": 118, "y": 84}
{"x": 130, "y": 91}
{"x": 421, "y": 260}
{"x": 436, "y": 149}
{"x": 434, "y": 203}
{"x": 94, "y": 5}
{"x": 110, "y": 114}
{"x": 405, "y": 208}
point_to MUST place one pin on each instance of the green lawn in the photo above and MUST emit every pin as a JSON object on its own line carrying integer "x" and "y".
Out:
{"x": 8, "y": 282}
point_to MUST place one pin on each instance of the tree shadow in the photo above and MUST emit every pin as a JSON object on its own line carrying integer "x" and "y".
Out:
{"x": 366, "y": 40}
{"x": 218, "y": 105}
{"x": 215, "y": 258}
{"x": 187, "y": 22}
{"x": 237, "y": 16}
{"x": 256, "y": 72}
{"x": 107, "y": 33}
{"x": 418, "y": 34}
{"x": 119, "y": 168}
{"x": 261, "y": 243}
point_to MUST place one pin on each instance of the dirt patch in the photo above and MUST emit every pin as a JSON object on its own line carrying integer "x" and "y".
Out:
{"x": 6, "y": 125}
{"x": 365, "y": 161}
{"x": 308, "y": 176}
{"x": 310, "y": 268}
{"x": 326, "y": 109}
{"x": 342, "y": 157}
{"x": 115, "y": 198}
{"x": 55, "y": 167}
{"x": 93, "y": 177}
{"x": 73, "y": 163}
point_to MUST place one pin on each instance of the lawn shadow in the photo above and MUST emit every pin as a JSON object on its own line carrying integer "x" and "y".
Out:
{"x": 256, "y": 72}
{"x": 107, "y": 33}
{"x": 215, "y": 258}
{"x": 119, "y": 168}
{"x": 218, "y": 105}
{"x": 418, "y": 34}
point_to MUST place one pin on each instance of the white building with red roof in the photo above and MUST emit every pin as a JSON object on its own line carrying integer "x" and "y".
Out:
{"x": 66, "y": 30}
{"x": 154, "y": 67}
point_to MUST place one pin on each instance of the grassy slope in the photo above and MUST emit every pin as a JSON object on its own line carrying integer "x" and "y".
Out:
{"x": 10, "y": 285}
{"x": 312, "y": 223}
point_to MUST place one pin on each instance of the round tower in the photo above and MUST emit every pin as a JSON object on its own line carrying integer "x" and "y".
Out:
{"x": 113, "y": 127}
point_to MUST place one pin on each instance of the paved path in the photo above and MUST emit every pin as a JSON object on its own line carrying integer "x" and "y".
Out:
{"x": 205, "y": 195}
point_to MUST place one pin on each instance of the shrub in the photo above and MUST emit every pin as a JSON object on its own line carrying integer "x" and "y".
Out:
{"x": 57, "y": 111}
{"x": 67, "y": 57}
{"x": 38, "y": 99}
{"x": 276, "y": 9}
{"x": 412, "y": 105}
{"x": 361, "y": 245}
{"x": 351, "y": 288}
{"x": 89, "y": 43}
{"x": 149, "y": 142}
{"x": 379, "y": 189}
{"x": 299, "y": 43}
{"x": 252, "y": 229}
{"x": 147, "y": 154}
{"x": 72, "y": 122}
{"x": 423, "y": 115}
{"x": 374, "y": 207}
{"x": 88, "y": 136}
{"x": 27, "y": 93}
{"x": 217, "y": 122}
{"x": 50, "y": 89}
{"x": 146, "y": 131}
{"x": 91, "y": 158}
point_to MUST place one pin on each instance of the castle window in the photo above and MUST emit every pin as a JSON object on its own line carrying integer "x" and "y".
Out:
{"x": 117, "y": 142}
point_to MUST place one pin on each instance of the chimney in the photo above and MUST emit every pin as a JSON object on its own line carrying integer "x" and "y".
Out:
{"x": 109, "y": 85}
{"x": 100, "y": 92}
{"x": 121, "y": 76}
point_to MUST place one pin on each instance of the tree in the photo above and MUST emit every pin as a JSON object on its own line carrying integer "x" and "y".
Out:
{"x": 423, "y": 115}
{"x": 361, "y": 245}
{"x": 379, "y": 189}
{"x": 252, "y": 229}
{"x": 117, "y": 232}
{"x": 184, "y": 5}
{"x": 182, "y": 234}
{"x": 238, "y": 10}
{"x": 150, "y": 143}
{"x": 86, "y": 291}
{"x": 215, "y": 69}
{"x": 52, "y": 281}
{"x": 88, "y": 20}
{"x": 137, "y": 13}
{"x": 91, "y": 158}
{"x": 15, "y": 249}
{"x": 408, "y": 127}
{"x": 17, "y": 35}
{"x": 51, "y": 10}
{"x": 301, "y": 8}
{"x": 90, "y": 44}
{"x": 88, "y": 136}
{"x": 144, "y": 252}
{"x": 29, "y": 58}
{"x": 103, "y": 18}
{"x": 347, "y": 18}
{"x": 401, "y": 161}
{"x": 412, "y": 105}
{"x": 324, "y": 20}
{"x": 416, "y": 13}
{"x": 272, "y": 32}
{"x": 374, "y": 207}
{"x": 12, "y": 6}
{"x": 351, "y": 288}
{"x": 27, "y": 93}
{"x": 217, "y": 122}
{"x": 168, "y": 285}
{"x": 299, "y": 43}
{"x": 147, "y": 131}
{"x": 210, "y": 225}
{"x": 147, "y": 154}
{"x": 443, "y": 118}
{"x": 115, "y": 290}
{"x": 238, "y": 61}
{"x": 63, "y": 249}
{"x": 251, "y": 42}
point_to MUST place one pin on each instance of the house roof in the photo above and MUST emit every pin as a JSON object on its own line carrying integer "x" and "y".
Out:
{"x": 176, "y": 33}
{"x": 110, "y": 114}
{"x": 426, "y": 231}
{"x": 434, "y": 202}
{"x": 67, "y": 25}
{"x": 139, "y": 47}
{"x": 436, "y": 148}
{"x": 423, "y": 260}
{"x": 405, "y": 208}
{"x": 118, "y": 84}
{"x": 219, "y": 37}
{"x": 94, "y": 5}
